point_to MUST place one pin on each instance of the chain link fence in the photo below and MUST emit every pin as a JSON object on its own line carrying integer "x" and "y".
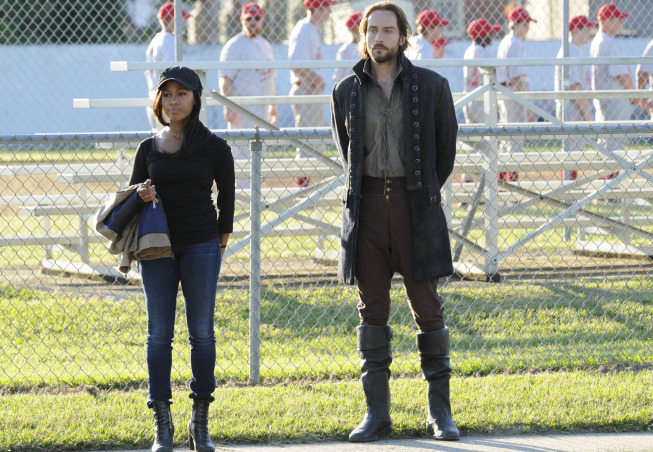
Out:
{"x": 57, "y": 50}
{"x": 552, "y": 272}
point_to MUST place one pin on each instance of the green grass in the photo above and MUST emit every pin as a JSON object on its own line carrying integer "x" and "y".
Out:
{"x": 527, "y": 403}
{"x": 309, "y": 333}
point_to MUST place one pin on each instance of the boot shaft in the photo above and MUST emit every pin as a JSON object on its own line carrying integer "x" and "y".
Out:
{"x": 374, "y": 347}
{"x": 433, "y": 348}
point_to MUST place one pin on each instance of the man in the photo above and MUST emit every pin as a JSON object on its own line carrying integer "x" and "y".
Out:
{"x": 248, "y": 45}
{"x": 579, "y": 79}
{"x": 161, "y": 48}
{"x": 349, "y": 50}
{"x": 395, "y": 127}
{"x": 305, "y": 43}
{"x": 514, "y": 77}
{"x": 480, "y": 31}
{"x": 429, "y": 31}
{"x": 612, "y": 76}
{"x": 645, "y": 78}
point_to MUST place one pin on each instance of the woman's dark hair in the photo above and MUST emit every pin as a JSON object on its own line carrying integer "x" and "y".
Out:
{"x": 195, "y": 133}
{"x": 403, "y": 26}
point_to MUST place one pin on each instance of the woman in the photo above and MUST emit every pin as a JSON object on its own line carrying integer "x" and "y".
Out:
{"x": 180, "y": 163}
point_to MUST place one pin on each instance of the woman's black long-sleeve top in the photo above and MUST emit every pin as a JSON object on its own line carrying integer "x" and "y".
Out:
{"x": 185, "y": 183}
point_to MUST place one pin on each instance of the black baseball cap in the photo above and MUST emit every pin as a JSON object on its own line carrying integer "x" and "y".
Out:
{"x": 183, "y": 75}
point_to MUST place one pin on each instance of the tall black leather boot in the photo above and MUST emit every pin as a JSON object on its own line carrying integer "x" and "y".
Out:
{"x": 163, "y": 428}
{"x": 198, "y": 428}
{"x": 434, "y": 356}
{"x": 374, "y": 346}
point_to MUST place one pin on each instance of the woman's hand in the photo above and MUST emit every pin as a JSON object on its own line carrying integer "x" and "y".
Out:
{"x": 147, "y": 192}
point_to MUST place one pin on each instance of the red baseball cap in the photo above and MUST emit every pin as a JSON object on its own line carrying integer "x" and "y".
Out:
{"x": 520, "y": 14}
{"x": 354, "y": 20}
{"x": 251, "y": 9}
{"x": 442, "y": 42}
{"x": 167, "y": 11}
{"x": 610, "y": 10}
{"x": 312, "y": 5}
{"x": 478, "y": 28}
{"x": 430, "y": 18}
{"x": 581, "y": 22}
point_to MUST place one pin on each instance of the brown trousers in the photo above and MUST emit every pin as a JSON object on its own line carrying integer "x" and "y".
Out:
{"x": 384, "y": 247}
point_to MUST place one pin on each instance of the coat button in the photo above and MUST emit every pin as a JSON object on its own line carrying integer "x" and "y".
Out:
{"x": 417, "y": 161}
{"x": 415, "y": 99}
{"x": 416, "y": 148}
{"x": 415, "y": 112}
{"x": 419, "y": 184}
{"x": 352, "y": 142}
{"x": 414, "y": 88}
{"x": 414, "y": 75}
{"x": 417, "y": 173}
{"x": 416, "y": 124}
{"x": 352, "y": 106}
{"x": 416, "y": 137}
{"x": 353, "y": 94}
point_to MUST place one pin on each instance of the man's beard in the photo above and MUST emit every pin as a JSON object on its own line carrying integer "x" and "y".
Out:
{"x": 389, "y": 55}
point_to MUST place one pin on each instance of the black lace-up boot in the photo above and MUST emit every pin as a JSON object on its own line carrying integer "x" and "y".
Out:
{"x": 164, "y": 430}
{"x": 198, "y": 428}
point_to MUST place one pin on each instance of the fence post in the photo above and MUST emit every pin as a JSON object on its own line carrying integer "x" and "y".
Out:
{"x": 491, "y": 170}
{"x": 256, "y": 149}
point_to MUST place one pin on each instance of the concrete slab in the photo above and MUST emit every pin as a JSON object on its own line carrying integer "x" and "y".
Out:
{"x": 591, "y": 442}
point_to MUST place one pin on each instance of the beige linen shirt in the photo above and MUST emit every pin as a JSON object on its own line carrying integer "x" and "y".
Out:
{"x": 383, "y": 129}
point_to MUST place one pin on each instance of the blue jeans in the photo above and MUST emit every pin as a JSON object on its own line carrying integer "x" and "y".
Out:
{"x": 197, "y": 267}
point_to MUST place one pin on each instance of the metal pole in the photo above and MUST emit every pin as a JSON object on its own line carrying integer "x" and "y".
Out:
{"x": 490, "y": 173}
{"x": 565, "y": 87}
{"x": 256, "y": 148}
{"x": 179, "y": 32}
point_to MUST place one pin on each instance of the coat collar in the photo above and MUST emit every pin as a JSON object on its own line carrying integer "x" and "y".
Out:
{"x": 407, "y": 69}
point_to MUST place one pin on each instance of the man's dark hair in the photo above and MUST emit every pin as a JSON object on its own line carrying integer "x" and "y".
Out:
{"x": 403, "y": 25}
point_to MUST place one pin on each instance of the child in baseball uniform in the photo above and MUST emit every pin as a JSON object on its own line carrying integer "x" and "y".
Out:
{"x": 305, "y": 43}
{"x": 429, "y": 32}
{"x": 579, "y": 79}
{"x": 610, "y": 76}
{"x": 514, "y": 77}
{"x": 481, "y": 32}
{"x": 349, "y": 50}
{"x": 161, "y": 48}
{"x": 645, "y": 78}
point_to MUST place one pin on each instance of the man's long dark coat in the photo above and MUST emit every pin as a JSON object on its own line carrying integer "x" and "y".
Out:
{"x": 429, "y": 134}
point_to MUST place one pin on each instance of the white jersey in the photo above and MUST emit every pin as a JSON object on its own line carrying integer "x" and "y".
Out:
{"x": 604, "y": 77}
{"x": 510, "y": 47}
{"x": 648, "y": 68}
{"x": 304, "y": 43}
{"x": 472, "y": 75}
{"x": 419, "y": 49}
{"x": 473, "y": 78}
{"x": 249, "y": 82}
{"x": 578, "y": 75}
{"x": 347, "y": 51}
{"x": 161, "y": 48}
